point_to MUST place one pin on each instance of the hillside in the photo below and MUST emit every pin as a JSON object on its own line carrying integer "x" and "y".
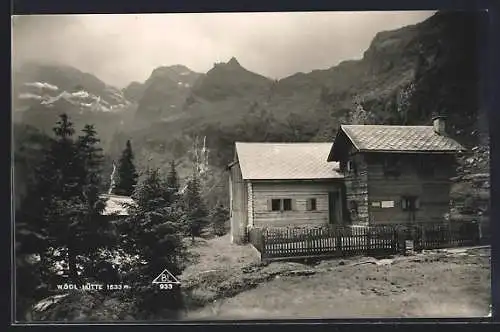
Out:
{"x": 433, "y": 63}
{"x": 164, "y": 93}
{"x": 403, "y": 77}
{"x": 42, "y": 92}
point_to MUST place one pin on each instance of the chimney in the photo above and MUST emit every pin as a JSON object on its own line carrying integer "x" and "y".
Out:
{"x": 439, "y": 124}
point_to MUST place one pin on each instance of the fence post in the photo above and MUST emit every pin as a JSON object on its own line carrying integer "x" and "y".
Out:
{"x": 395, "y": 240}
{"x": 338, "y": 239}
{"x": 262, "y": 246}
{"x": 369, "y": 248}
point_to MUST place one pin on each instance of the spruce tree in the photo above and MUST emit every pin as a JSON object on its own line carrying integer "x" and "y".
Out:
{"x": 62, "y": 205}
{"x": 58, "y": 189}
{"x": 95, "y": 232}
{"x": 127, "y": 174}
{"x": 156, "y": 236}
{"x": 173, "y": 181}
{"x": 196, "y": 212}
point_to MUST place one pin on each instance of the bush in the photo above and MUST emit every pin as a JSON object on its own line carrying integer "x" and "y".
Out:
{"x": 218, "y": 218}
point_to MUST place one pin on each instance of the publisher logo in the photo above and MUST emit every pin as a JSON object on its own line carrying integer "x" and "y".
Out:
{"x": 166, "y": 280}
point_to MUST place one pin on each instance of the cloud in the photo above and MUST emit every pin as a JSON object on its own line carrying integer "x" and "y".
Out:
{"x": 122, "y": 48}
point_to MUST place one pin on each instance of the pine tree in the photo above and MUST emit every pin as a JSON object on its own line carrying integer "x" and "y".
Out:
{"x": 94, "y": 231}
{"x": 156, "y": 236}
{"x": 56, "y": 199}
{"x": 173, "y": 181}
{"x": 196, "y": 212}
{"x": 127, "y": 174}
{"x": 62, "y": 205}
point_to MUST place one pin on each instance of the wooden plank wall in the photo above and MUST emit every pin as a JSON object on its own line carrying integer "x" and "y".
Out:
{"x": 238, "y": 201}
{"x": 299, "y": 192}
{"x": 250, "y": 203}
{"x": 433, "y": 191}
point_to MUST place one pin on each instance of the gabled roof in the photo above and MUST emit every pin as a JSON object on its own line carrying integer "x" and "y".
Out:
{"x": 116, "y": 204}
{"x": 398, "y": 139}
{"x": 285, "y": 161}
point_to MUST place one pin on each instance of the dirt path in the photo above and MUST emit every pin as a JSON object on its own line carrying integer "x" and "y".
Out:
{"x": 436, "y": 284}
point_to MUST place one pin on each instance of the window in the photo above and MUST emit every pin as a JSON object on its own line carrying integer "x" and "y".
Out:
{"x": 311, "y": 204}
{"x": 343, "y": 165}
{"x": 353, "y": 209}
{"x": 410, "y": 203}
{"x": 353, "y": 167}
{"x": 276, "y": 204}
{"x": 281, "y": 204}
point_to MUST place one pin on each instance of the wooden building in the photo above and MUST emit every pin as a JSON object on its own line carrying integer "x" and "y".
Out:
{"x": 281, "y": 184}
{"x": 396, "y": 174}
{"x": 116, "y": 206}
{"x": 371, "y": 174}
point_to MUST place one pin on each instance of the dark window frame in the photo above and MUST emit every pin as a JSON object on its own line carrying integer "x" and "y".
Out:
{"x": 287, "y": 204}
{"x": 281, "y": 204}
{"x": 410, "y": 203}
{"x": 273, "y": 206}
{"x": 312, "y": 204}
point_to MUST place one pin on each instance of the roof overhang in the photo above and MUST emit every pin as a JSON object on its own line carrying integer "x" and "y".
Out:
{"x": 411, "y": 151}
{"x": 228, "y": 166}
{"x": 297, "y": 180}
{"x": 340, "y": 131}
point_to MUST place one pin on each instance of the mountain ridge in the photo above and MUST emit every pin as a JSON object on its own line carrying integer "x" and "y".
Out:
{"x": 429, "y": 61}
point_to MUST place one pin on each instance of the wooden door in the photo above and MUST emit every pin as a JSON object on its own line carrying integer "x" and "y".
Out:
{"x": 411, "y": 205}
{"x": 333, "y": 205}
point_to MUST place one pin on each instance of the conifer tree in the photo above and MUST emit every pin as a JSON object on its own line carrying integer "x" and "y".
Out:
{"x": 173, "y": 181}
{"x": 58, "y": 189}
{"x": 94, "y": 231}
{"x": 63, "y": 204}
{"x": 219, "y": 216}
{"x": 196, "y": 212}
{"x": 156, "y": 236}
{"x": 127, "y": 174}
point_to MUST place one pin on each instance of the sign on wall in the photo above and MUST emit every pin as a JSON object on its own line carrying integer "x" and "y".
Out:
{"x": 387, "y": 204}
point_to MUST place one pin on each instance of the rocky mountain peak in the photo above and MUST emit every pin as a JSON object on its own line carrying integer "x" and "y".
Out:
{"x": 233, "y": 62}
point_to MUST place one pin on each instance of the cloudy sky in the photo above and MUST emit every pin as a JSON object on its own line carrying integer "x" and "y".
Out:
{"x": 124, "y": 48}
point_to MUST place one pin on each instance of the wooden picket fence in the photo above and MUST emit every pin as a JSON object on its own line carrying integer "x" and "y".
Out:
{"x": 334, "y": 240}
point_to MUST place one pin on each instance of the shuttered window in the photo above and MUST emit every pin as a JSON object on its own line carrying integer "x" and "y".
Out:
{"x": 410, "y": 203}
{"x": 287, "y": 204}
{"x": 281, "y": 204}
{"x": 275, "y": 204}
{"x": 311, "y": 204}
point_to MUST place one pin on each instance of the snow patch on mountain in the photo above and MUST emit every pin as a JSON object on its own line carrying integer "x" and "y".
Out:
{"x": 186, "y": 85}
{"x": 63, "y": 95}
{"x": 42, "y": 85}
{"x": 81, "y": 94}
{"x": 30, "y": 96}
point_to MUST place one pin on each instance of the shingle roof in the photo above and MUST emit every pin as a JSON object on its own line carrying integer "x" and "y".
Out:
{"x": 399, "y": 139}
{"x": 285, "y": 161}
{"x": 115, "y": 204}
